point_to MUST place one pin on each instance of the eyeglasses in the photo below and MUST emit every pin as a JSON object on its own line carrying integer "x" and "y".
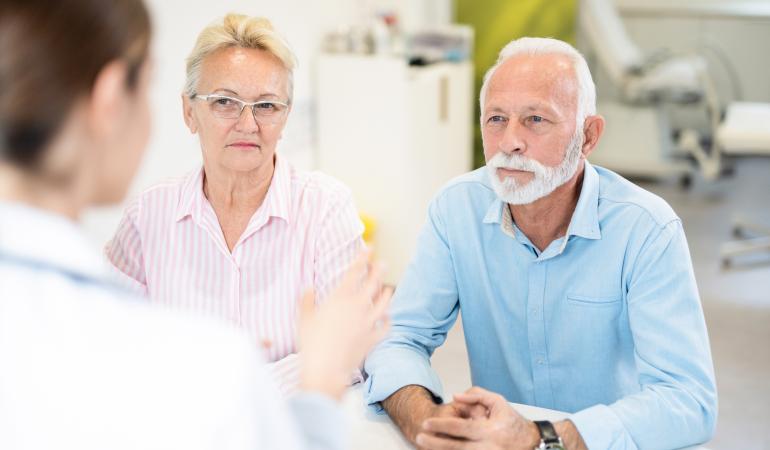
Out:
{"x": 264, "y": 111}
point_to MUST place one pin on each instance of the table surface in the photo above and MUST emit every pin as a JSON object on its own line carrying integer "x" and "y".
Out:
{"x": 377, "y": 432}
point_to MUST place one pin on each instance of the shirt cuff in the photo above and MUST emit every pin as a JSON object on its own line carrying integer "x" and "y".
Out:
{"x": 390, "y": 369}
{"x": 600, "y": 427}
{"x": 321, "y": 420}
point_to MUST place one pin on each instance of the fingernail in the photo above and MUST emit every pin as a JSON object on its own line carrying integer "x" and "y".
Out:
{"x": 420, "y": 439}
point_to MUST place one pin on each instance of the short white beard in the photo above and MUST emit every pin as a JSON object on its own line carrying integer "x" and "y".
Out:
{"x": 546, "y": 179}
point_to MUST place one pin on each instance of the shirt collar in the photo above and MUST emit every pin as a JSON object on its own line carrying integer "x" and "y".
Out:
{"x": 585, "y": 219}
{"x": 276, "y": 203}
{"x": 495, "y": 211}
{"x": 278, "y": 196}
{"x": 191, "y": 195}
{"x": 41, "y": 237}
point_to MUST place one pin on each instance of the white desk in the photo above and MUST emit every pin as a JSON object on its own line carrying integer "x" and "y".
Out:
{"x": 372, "y": 431}
{"x": 376, "y": 431}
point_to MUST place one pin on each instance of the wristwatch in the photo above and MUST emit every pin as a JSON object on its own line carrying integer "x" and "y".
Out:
{"x": 549, "y": 440}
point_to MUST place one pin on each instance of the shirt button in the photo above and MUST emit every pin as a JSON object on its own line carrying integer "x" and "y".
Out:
{"x": 540, "y": 361}
{"x": 534, "y": 310}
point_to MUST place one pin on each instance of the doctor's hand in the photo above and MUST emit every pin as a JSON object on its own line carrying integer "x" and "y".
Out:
{"x": 501, "y": 429}
{"x": 336, "y": 336}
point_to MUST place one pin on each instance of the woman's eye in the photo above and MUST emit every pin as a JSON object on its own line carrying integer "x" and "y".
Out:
{"x": 266, "y": 105}
{"x": 224, "y": 102}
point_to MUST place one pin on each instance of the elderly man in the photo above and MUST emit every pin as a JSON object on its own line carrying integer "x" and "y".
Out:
{"x": 576, "y": 287}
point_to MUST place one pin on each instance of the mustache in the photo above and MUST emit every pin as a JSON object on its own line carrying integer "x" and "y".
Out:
{"x": 515, "y": 162}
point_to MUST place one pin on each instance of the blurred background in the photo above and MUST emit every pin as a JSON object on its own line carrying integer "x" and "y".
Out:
{"x": 386, "y": 99}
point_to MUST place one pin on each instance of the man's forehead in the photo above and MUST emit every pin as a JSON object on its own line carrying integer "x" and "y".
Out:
{"x": 540, "y": 64}
{"x": 549, "y": 77}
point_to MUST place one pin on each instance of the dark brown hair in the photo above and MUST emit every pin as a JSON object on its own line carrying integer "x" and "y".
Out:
{"x": 51, "y": 52}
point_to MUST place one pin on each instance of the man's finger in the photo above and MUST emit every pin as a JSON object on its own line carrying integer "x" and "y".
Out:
{"x": 472, "y": 430}
{"x": 489, "y": 399}
{"x": 471, "y": 410}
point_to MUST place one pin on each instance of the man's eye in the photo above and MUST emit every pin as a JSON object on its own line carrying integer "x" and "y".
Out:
{"x": 536, "y": 119}
{"x": 496, "y": 119}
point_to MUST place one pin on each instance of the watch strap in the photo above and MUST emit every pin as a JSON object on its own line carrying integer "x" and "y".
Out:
{"x": 548, "y": 436}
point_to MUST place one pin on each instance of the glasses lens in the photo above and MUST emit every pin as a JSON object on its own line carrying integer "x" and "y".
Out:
{"x": 224, "y": 107}
{"x": 269, "y": 111}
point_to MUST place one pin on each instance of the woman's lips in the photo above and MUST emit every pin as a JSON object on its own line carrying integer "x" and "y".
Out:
{"x": 243, "y": 145}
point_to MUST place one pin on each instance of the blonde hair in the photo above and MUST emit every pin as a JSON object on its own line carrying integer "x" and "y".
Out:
{"x": 238, "y": 30}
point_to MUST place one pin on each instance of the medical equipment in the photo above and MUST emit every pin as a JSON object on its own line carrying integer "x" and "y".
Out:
{"x": 639, "y": 140}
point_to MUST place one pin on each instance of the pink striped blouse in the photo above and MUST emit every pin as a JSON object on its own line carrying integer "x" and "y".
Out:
{"x": 170, "y": 247}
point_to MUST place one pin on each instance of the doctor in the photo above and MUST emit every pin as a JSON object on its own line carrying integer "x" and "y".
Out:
{"x": 83, "y": 365}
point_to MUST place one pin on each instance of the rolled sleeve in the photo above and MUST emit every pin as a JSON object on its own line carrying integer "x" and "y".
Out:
{"x": 394, "y": 368}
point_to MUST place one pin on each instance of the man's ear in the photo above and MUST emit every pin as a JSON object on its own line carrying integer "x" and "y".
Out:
{"x": 187, "y": 114}
{"x": 593, "y": 127}
{"x": 105, "y": 106}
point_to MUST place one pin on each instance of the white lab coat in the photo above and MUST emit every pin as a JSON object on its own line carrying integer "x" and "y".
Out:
{"x": 83, "y": 365}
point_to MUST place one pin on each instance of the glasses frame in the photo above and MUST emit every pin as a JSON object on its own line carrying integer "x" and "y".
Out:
{"x": 244, "y": 104}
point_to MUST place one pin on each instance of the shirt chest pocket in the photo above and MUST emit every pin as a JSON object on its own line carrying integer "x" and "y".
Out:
{"x": 594, "y": 301}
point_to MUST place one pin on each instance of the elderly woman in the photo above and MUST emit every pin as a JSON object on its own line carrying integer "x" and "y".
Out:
{"x": 243, "y": 236}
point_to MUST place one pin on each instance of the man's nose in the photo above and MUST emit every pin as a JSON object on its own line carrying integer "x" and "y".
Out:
{"x": 512, "y": 141}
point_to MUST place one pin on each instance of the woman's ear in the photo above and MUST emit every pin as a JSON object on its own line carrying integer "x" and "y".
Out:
{"x": 187, "y": 112}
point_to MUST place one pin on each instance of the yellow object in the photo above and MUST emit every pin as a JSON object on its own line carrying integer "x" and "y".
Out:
{"x": 370, "y": 226}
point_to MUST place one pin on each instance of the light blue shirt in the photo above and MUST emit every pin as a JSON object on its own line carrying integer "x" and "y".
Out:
{"x": 606, "y": 323}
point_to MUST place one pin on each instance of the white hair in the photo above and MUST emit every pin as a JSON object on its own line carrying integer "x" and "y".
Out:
{"x": 533, "y": 46}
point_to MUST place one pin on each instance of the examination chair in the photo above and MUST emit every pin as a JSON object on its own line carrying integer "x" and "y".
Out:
{"x": 639, "y": 140}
